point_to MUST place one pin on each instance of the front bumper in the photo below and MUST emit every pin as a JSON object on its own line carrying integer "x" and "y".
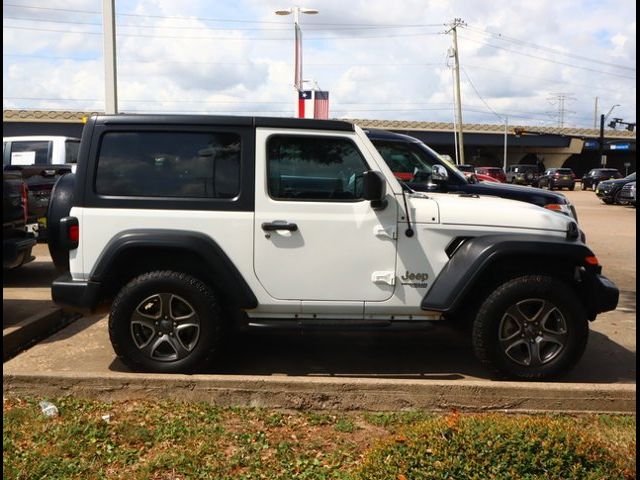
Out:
{"x": 605, "y": 193}
{"x": 602, "y": 295}
{"x": 77, "y": 295}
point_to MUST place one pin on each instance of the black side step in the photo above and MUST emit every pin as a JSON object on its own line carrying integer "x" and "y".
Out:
{"x": 337, "y": 324}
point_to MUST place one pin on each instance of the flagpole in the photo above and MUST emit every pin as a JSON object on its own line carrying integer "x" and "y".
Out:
{"x": 297, "y": 74}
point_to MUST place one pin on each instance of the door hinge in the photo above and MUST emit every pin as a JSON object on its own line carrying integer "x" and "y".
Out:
{"x": 384, "y": 277}
{"x": 380, "y": 231}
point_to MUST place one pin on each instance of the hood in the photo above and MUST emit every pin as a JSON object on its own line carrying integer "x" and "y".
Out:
{"x": 487, "y": 211}
{"x": 617, "y": 181}
{"x": 517, "y": 192}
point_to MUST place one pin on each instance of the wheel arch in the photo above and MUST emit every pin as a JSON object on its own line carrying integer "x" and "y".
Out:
{"x": 134, "y": 252}
{"x": 481, "y": 263}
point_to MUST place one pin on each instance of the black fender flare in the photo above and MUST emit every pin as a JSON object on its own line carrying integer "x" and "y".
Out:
{"x": 465, "y": 268}
{"x": 227, "y": 278}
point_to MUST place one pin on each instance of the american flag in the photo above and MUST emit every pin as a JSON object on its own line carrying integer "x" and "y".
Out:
{"x": 321, "y": 104}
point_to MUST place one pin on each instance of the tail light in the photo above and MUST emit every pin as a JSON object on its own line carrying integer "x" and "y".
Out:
{"x": 25, "y": 202}
{"x": 69, "y": 234}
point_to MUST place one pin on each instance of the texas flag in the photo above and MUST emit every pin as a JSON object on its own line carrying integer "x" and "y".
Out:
{"x": 305, "y": 104}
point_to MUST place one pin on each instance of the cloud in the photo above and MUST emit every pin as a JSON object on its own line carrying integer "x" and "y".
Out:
{"x": 370, "y": 54}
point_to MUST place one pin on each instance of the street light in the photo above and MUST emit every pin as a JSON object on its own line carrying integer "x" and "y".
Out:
{"x": 296, "y": 11}
{"x": 603, "y": 158}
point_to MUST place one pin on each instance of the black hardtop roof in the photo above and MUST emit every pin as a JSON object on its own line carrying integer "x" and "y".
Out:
{"x": 377, "y": 134}
{"x": 228, "y": 120}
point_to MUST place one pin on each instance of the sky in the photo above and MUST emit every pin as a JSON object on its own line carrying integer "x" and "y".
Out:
{"x": 379, "y": 59}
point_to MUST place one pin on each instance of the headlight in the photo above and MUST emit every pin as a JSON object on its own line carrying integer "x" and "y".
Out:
{"x": 561, "y": 208}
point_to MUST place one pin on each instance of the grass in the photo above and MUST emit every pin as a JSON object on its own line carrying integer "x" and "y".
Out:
{"x": 172, "y": 440}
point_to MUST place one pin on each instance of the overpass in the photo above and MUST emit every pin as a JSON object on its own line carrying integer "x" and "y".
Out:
{"x": 576, "y": 148}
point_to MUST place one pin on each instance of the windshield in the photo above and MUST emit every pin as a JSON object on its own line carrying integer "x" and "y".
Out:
{"x": 414, "y": 161}
{"x": 631, "y": 176}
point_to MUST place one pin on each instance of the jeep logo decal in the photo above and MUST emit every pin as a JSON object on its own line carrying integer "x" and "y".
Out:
{"x": 417, "y": 280}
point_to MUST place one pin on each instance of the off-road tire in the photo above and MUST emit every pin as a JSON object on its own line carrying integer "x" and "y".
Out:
{"x": 485, "y": 335}
{"x": 198, "y": 295}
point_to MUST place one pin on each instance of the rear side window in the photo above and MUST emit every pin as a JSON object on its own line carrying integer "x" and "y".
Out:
{"x": 71, "y": 151}
{"x": 30, "y": 153}
{"x": 169, "y": 164}
{"x": 314, "y": 168}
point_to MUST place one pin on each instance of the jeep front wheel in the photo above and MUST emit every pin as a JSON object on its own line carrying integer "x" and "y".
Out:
{"x": 531, "y": 327}
{"x": 165, "y": 322}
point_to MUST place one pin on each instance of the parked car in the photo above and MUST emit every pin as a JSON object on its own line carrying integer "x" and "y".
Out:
{"x": 593, "y": 177}
{"x": 494, "y": 172}
{"x": 485, "y": 178}
{"x": 557, "y": 178}
{"x": 186, "y": 224}
{"x": 41, "y": 159}
{"x": 397, "y": 149}
{"x": 628, "y": 194}
{"x": 609, "y": 190}
{"x": 17, "y": 243}
{"x": 523, "y": 174}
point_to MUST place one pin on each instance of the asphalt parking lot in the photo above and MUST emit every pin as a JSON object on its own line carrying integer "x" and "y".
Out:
{"x": 437, "y": 354}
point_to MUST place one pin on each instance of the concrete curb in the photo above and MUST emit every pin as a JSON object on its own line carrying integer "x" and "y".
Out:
{"x": 32, "y": 329}
{"x": 332, "y": 393}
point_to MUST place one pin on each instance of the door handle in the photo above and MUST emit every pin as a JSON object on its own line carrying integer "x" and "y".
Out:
{"x": 279, "y": 225}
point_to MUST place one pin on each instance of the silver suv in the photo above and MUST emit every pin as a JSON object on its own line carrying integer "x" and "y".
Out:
{"x": 523, "y": 174}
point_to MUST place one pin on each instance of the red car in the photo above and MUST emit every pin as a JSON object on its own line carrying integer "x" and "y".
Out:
{"x": 495, "y": 172}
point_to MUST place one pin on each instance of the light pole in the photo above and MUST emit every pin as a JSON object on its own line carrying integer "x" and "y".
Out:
{"x": 603, "y": 158}
{"x": 296, "y": 11}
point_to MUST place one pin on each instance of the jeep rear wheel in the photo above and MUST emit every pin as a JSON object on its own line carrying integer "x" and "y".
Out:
{"x": 531, "y": 327}
{"x": 165, "y": 322}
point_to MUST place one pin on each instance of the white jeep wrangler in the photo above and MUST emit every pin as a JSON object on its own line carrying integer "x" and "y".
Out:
{"x": 190, "y": 222}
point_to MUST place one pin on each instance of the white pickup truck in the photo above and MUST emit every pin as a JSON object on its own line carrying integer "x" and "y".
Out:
{"x": 41, "y": 159}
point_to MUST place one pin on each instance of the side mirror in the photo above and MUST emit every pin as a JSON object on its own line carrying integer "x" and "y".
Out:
{"x": 375, "y": 189}
{"x": 439, "y": 174}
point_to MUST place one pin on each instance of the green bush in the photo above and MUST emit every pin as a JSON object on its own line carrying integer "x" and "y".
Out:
{"x": 494, "y": 447}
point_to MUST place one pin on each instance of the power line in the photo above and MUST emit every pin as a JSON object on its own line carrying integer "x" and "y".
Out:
{"x": 505, "y": 38}
{"x": 548, "y": 79}
{"x": 183, "y": 27}
{"x": 126, "y": 60}
{"x": 547, "y": 59}
{"x": 326, "y": 37}
{"x": 205, "y": 19}
{"x": 478, "y": 93}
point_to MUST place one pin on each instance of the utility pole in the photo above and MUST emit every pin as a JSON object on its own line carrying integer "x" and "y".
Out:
{"x": 454, "y": 28}
{"x": 110, "y": 72}
{"x": 595, "y": 115}
{"x": 506, "y": 126}
{"x": 603, "y": 157}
